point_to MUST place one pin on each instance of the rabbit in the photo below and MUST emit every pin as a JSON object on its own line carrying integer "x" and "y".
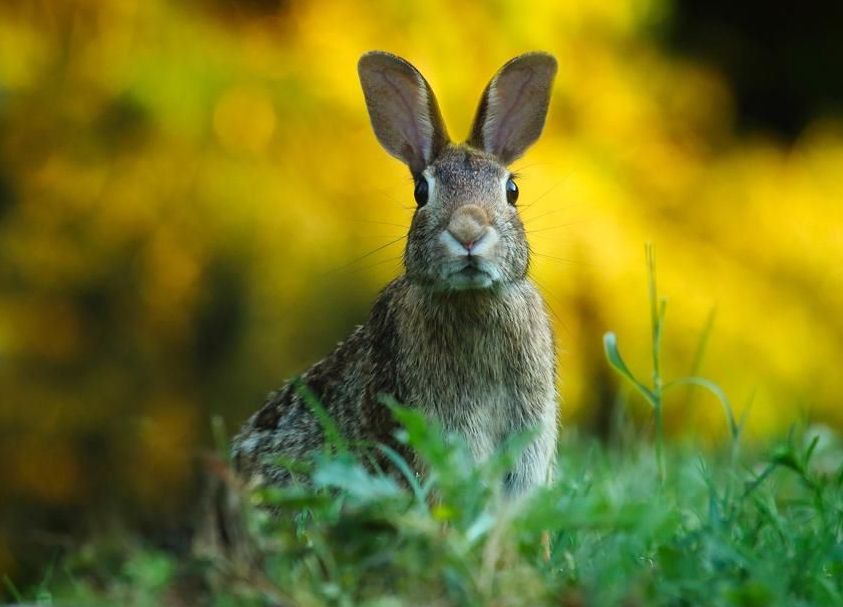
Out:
{"x": 463, "y": 335}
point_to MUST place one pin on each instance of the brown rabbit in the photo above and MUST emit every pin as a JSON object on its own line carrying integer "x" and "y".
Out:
{"x": 463, "y": 335}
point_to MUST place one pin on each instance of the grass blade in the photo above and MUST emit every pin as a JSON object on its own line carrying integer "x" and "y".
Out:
{"x": 613, "y": 355}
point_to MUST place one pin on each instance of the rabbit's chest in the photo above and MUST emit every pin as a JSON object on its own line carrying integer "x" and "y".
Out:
{"x": 477, "y": 382}
{"x": 482, "y": 364}
{"x": 471, "y": 398}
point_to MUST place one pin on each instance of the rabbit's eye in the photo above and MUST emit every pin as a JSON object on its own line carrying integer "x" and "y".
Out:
{"x": 511, "y": 191}
{"x": 420, "y": 193}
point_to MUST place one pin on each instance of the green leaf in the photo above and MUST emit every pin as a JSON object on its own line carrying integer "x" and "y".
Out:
{"x": 399, "y": 462}
{"x": 349, "y": 475}
{"x": 709, "y": 385}
{"x": 333, "y": 436}
{"x": 289, "y": 498}
{"x": 424, "y": 435}
{"x": 610, "y": 345}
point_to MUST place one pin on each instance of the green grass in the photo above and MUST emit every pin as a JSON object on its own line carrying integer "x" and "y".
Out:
{"x": 715, "y": 531}
{"x": 634, "y": 523}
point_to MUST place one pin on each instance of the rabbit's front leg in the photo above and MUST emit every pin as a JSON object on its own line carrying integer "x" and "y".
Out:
{"x": 535, "y": 465}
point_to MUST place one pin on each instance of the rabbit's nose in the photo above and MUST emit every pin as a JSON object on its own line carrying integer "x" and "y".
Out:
{"x": 468, "y": 224}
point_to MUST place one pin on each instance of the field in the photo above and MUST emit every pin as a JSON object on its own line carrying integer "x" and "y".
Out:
{"x": 635, "y": 521}
{"x": 194, "y": 208}
{"x": 719, "y": 529}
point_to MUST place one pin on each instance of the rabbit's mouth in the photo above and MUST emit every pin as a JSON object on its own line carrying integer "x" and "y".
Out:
{"x": 471, "y": 275}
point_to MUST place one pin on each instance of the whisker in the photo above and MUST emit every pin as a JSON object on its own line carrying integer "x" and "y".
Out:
{"x": 378, "y": 263}
{"x": 369, "y": 254}
{"x": 562, "y": 259}
{"x": 548, "y": 191}
{"x": 545, "y": 214}
{"x": 381, "y": 223}
{"x": 559, "y": 227}
{"x": 548, "y": 297}
{"x": 567, "y": 237}
{"x": 565, "y": 179}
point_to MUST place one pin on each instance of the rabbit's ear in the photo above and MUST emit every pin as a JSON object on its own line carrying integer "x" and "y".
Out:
{"x": 402, "y": 108}
{"x": 513, "y": 107}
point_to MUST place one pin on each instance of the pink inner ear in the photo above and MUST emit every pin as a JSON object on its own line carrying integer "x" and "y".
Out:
{"x": 507, "y": 109}
{"x": 409, "y": 115}
{"x": 398, "y": 103}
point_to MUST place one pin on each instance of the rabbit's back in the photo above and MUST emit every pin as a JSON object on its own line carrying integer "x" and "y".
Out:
{"x": 346, "y": 384}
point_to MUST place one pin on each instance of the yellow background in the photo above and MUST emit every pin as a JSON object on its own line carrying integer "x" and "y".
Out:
{"x": 190, "y": 191}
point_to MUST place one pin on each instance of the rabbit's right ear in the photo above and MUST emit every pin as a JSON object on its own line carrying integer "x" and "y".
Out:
{"x": 402, "y": 108}
{"x": 514, "y": 106}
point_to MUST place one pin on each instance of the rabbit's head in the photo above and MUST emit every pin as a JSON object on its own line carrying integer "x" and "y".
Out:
{"x": 466, "y": 233}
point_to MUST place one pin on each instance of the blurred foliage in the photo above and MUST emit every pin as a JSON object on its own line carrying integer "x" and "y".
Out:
{"x": 777, "y": 61}
{"x": 190, "y": 192}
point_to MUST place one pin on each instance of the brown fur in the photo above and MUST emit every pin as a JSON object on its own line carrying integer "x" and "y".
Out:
{"x": 463, "y": 337}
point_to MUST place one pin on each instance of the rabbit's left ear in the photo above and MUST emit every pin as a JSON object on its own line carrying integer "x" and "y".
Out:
{"x": 513, "y": 107}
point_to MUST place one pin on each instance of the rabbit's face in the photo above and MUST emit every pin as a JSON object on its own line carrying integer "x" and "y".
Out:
{"x": 466, "y": 234}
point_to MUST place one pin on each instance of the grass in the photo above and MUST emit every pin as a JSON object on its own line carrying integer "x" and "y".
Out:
{"x": 629, "y": 524}
{"x": 715, "y": 531}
